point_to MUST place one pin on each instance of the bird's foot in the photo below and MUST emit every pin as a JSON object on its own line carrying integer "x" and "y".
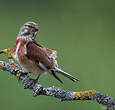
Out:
{"x": 31, "y": 83}
{"x": 36, "y": 80}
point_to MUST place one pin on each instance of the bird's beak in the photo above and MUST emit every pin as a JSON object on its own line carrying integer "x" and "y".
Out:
{"x": 35, "y": 29}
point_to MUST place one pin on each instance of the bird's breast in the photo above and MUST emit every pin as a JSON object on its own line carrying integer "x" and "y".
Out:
{"x": 19, "y": 49}
{"x": 19, "y": 54}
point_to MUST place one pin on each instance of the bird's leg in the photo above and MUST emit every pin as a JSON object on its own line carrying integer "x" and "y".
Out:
{"x": 38, "y": 76}
{"x": 9, "y": 53}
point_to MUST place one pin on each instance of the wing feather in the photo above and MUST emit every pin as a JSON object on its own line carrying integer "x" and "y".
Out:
{"x": 46, "y": 58}
{"x": 51, "y": 53}
{"x": 36, "y": 53}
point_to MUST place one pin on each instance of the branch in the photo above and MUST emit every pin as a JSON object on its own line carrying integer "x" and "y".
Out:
{"x": 53, "y": 91}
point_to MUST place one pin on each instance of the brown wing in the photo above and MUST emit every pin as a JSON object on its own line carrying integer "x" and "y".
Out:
{"x": 46, "y": 57}
{"x": 50, "y": 53}
{"x": 36, "y": 52}
{"x": 40, "y": 55}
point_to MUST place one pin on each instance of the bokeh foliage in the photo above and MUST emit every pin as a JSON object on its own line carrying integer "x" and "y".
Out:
{"x": 82, "y": 31}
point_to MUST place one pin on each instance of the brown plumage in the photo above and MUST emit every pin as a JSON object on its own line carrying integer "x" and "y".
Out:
{"x": 38, "y": 54}
{"x": 34, "y": 57}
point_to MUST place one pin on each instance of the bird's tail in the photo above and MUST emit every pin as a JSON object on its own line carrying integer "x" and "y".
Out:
{"x": 66, "y": 74}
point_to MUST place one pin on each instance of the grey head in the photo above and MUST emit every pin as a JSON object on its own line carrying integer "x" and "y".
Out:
{"x": 28, "y": 30}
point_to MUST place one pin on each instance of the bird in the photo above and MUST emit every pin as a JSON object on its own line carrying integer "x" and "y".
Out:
{"x": 33, "y": 57}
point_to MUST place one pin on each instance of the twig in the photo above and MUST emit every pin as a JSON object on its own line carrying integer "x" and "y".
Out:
{"x": 53, "y": 91}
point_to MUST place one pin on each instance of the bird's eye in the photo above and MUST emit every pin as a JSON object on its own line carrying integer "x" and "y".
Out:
{"x": 30, "y": 26}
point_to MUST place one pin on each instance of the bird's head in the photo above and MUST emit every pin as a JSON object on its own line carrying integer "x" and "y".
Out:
{"x": 28, "y": 31}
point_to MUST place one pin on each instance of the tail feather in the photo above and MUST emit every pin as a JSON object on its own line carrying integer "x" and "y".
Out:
{"x": 54, "y": 74}
{"x": 66, "y": 74}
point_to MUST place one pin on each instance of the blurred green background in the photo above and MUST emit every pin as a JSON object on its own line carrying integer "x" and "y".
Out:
{"x": 82, "y": 32}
